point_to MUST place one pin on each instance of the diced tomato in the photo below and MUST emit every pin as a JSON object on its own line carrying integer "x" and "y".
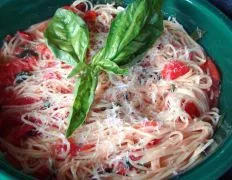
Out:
{"x": 191, "y": 109}
{"x": 174, "y": 69}
{"x": 210, "y": 66}
{"x": 153, "y": 143}
{"x": 81, "y": 7}
{"x": 9, "y": 70}
{"x": 25, "y": 35}
{"x": 90, "y": 16}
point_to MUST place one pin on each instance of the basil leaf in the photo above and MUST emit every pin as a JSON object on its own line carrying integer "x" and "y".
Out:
{"x": 110, "y": 66}
{"x": 131, "y": 34}
{"x": 79, "y": 67}
{"x": 150, "y": 33}
{"x": 69, "y": 33}
{"x": 125, "y": 27}
{"x": 84, "y": 96}
{"x": 62, "y": 55}
{"x": 133, "y": 31}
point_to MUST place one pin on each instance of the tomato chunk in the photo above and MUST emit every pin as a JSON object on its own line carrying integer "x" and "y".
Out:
{"x": 14, "y": 67}
{"x": 81, "y": 7}
{"x": 174, "y": 69}
{"x": 90, "y": 16}
{"x": 191, "y": 109}
{"x": 210, "y": 66}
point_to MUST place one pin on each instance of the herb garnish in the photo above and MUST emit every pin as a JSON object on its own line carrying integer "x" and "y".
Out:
{"x": 132, "y": 32}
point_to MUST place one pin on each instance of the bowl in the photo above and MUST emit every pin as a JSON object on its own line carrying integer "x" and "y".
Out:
{"x": 16, "y": 15}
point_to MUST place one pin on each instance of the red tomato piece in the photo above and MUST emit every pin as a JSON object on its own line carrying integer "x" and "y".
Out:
{"x": 81, "y": 7}
{"x": 90, "y": 16}
{"x": 9, "y": 70}
{"x": 192, "y": 109}
{"x": 210, "y": 66}
{"x": 174, "y": 69}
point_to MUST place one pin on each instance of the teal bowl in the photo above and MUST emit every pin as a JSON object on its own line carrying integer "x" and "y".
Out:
{"x": 19, "y": 14}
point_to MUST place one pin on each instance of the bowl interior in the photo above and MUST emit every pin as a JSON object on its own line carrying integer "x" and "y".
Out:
{"x": 16, "y": 15}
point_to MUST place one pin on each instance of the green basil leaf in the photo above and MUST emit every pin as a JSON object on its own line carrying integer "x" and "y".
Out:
{"x": 149, "y": 34}
{"x": 69, "y": 33}
{"x": 84, "y": 96}
{"x": 133, "y": 31}
{"x": 125, "y": 27}
{"x": 79, "y": 67}
{"x": 62, "y": 55}
{"x": 110, "y": 66}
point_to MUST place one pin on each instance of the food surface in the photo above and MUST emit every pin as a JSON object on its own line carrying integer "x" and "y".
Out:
{"x": 152, "y": 123}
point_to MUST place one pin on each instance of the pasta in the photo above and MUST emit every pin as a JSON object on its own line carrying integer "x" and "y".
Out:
{"x": 147, "y": 125}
